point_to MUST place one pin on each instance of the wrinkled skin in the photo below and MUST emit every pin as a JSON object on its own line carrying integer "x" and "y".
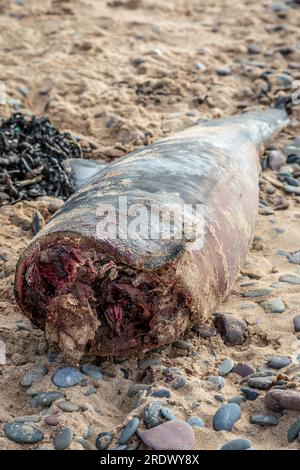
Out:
{"x": 118, "y": 296}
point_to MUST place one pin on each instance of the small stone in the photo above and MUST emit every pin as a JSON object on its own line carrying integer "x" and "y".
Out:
{"x": 273, "y": 306}
{"x": 238, "y": 400}
{"x": 90, "y": 391}
{"x": 250, "y": 394}
{"x": 27, "y": 419}
{"x": 294, "y": 431}
{"x": 254, "y": 48}
{"x": 264, "y": 420}
{"x": 104, "y": 439}
{"x": 161, "y": 393}
{"x": 92, "y": 371}
{"x": 129, "y": 430}
{"x": 63, "y": 439}
{"x": 46, "y": 399}
{"x": 217, "y": 380}
{"x": 257, "y": 293}
{"x": 278, "y": 400}
{"x": 226, "y": 416}
{"x": 85, "y": 444}
{"x": 262, "y": 383}
{"x": 233, "y": 331}
{"x": 23, "y": 90}
{"x": 172, "y": 435}
{"x": 69, "y": 406}
{"x": 205, "y": 331}
{"x": 167, "y": 413}
{"x": 196, "y": 421}
{"x": 143, "y": 365}
{"x": 178, "y": 381}
{"x": 263, "y": 211}
{"x": 278, "y": 362}
{"x": 242, "y": 370}
{"x": 135, "y": 388}
{"x": 35, "y": 374}
{"x": 22, "y": 433}
{"x": 67, "y": 377}
{"x": 180, "y": 344}
{"x": 294, "y": 258}
{"x": 237, "y": 444}
{"x": 296, "y": 321}
{"x": 223, "y": 71}
{"x": 226, "y": 366}
{"x": 276, "y": 159}
{"x": 292, "y": 190}
{"x": 152, "y": 415}
{"x": 52, "y": 420}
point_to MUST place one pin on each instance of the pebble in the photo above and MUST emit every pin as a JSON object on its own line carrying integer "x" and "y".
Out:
{"x": 172, "y": 435}
{"x": 90, "y": 391}
{"x": 262, "y": 383}
{"x": 129, "y": 430}
{"x": 278, "y": 362}
{"x": 225, "y": 367}
{"x": 250, "y": 394}
{"x": 278, "y": 400}
{"x": 223, "y": 71}
{"x": 294, "y": 431}
{"x": 167, "y": 413}
{"x": 85, "y": 444}
{"x": 238, "y": 400}
{"x": 205, "y": 331}
{"x": 242, "y": 370}
{"x": 63, "y": 438}
{"x": 264, "y": 420}
{"x": 135, "y": 388}
{"x": 257, "y": 293}
{"x": 294, "y": 258}
{"x": 196, "y": 421}
{"x": 276, "y": 159}
{"x": 143, "y": 365}
{"x": 273, "y": 306}
{"x": 217, "y": 380}
{"x": 104, "y": 439}
{"x": 296, "y": 322}
{"x": 226, "y": 416}
{"x": 67, "y": 377}
{"x": 22, "y": 433}
{"x": 254, "y": 48}
{"x": 178, "y": 381}
{"x": 120, "y": 447}
{"x": 35, "y": 374}
{"x": 92, "y": 371}
{"x": 152, "y": 414}
{"x": 46, "y": 399}
{"x": 292, "y": 189}
{"x": 27, "y": 419}
{"x": 52, "y": 420}
{"x": 69, "y": 406}
{"x": 237, "y": 444}
{"x": 180, "y": 344}
{"x": 161, "y": 393}
{"x": 233, "y": 331}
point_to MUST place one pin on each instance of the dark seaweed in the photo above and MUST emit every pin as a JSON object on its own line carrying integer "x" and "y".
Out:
{"x": 32, "y": 150}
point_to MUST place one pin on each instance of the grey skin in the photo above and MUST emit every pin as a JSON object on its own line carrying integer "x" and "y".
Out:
{"x": 93, "y": 293}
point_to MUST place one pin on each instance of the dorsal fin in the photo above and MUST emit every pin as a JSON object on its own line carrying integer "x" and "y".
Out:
{"x": 82, "y": 170}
